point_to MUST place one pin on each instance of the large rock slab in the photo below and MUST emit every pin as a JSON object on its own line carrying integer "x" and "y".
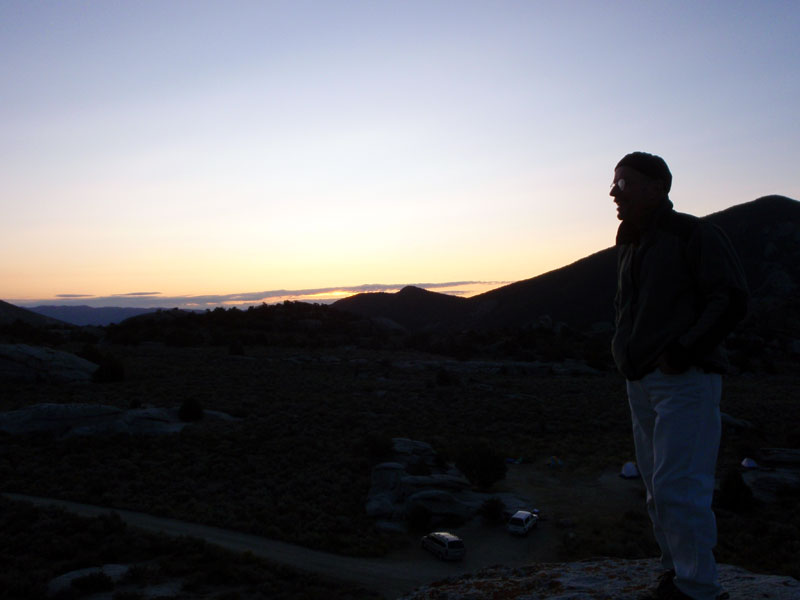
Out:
{"x": 602, "y": 579}
{"x": 88, "y": 419}
{"x": 65, "y": 420}
{"x": 24, "y": 363}
{"x": 768, "y": 485}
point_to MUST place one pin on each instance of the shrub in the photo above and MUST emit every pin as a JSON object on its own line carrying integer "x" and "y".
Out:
{"x": 419, "y": 518}
{"x": 110, "y": 369}
{"x": 492, "y": 510}
{"x": 482, "y": 465}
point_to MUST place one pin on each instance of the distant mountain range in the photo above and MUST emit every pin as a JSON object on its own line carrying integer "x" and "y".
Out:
{"x": 90, "y": 315}
{"x": 765, "y": 232}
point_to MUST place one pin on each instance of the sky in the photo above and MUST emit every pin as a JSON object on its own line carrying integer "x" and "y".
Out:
{"x": 196, "y": 153}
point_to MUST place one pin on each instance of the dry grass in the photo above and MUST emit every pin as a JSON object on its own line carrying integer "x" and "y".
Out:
{"x": 297, "y": 466}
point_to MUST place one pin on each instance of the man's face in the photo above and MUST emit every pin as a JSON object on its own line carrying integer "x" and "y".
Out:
{"x": 633, "y": 195}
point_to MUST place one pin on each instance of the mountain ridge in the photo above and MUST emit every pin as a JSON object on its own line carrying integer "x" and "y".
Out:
{"x": 765, "y": 231}
{"x": 10, "y": 314}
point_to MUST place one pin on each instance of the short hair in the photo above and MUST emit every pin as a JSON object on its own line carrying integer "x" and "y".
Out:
{"x": 650, "y": 165}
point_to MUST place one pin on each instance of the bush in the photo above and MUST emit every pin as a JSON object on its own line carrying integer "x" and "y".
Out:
{"x": 482, "y": 465}
{"x": 419, "y": 518}
{"x": 492, "y": 510}
{"x": 109, "y": 367}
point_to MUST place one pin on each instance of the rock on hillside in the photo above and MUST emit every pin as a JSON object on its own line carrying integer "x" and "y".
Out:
{"x": 21, "y": 362}
{"x": 600, "y": 579}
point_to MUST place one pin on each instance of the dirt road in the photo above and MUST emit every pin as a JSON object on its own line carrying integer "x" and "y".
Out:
{"x": 401, "y": 571}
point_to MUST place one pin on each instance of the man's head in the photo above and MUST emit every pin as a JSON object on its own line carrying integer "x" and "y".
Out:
{"x": 641, "y": 184}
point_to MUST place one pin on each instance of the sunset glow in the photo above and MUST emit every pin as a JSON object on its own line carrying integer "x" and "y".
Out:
{"x": 203, "y": 151}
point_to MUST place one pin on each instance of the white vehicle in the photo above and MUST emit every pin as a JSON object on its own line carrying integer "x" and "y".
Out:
{"x": 444, "y": 545}
{"x": 521, "y": 522}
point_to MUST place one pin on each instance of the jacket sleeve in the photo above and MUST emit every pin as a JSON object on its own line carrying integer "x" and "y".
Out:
{"x": 721, "y": 288}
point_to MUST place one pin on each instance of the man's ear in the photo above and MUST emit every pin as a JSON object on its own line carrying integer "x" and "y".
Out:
{"x": 655, "y": 191}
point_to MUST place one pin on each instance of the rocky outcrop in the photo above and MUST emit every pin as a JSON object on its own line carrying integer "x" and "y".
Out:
{"x": 776, "y": 474}
{"x": 602, "y": 579}
{"x": 442, "y": 492}
{"x": 63, "y": 586}
{"x": 24, "y": 363}
{"x": 65, "y": 420}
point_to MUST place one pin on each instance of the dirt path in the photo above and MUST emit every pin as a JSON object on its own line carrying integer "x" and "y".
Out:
{"x": 409, "y": 567}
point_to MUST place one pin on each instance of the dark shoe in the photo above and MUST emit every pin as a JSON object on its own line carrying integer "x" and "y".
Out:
{"x": 665, "y": 583}
{"x": 666, "y": 588}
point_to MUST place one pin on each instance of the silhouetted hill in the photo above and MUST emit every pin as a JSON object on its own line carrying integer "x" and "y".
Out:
{"x": 89, "y": 315}
{"x": 412, "y": 307}
{"x": 766, "y": 233}
{"x": 9, "y": 314}
{"x": 579, "y": 294}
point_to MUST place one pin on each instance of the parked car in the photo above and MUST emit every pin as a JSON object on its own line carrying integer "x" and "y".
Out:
{"x": 444, "y": 545}
{"x": 521, "y": 522}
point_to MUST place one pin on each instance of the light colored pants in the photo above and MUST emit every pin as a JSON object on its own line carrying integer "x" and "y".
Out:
{"x": 676, "y": 430}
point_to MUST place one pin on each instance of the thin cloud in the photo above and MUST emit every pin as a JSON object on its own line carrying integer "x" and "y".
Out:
{"x": 324, "y": 295}
{"x": 136, "y": 294}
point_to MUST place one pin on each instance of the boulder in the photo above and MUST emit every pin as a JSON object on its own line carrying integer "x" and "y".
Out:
{"x": 442, "y": 505}
{"x": 411, "y": 484}
{"x": 411, "y": 452}
{"x": 59, "y": 419}
{"x": 780, "y": 456}
{"x": 594, "y": 579}
{"x": 24, "y": 363}
{"x": 386, "y": 477}
{"x": 384, "y": 489}
{"x": 381, "y": 505}
{"x": 769, "y": 484}
{"x": 776, "y": 475}
{"x": 63, "y": 584}
{"x": 735, "y": 423}
{"x": 65, "y": 420}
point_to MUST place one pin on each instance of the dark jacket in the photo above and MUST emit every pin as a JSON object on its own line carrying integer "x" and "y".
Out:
{"x": 680, "y": 291}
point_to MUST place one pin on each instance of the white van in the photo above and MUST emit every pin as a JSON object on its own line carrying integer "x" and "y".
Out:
{"x": 444, "y": 545}
{"x": 521, "y": 522}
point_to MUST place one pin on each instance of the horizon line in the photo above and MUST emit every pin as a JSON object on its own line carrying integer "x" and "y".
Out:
{"x": 325, "y": 295}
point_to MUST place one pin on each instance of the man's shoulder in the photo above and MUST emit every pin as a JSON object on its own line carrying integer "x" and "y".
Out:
{"x": 682, "y": 225}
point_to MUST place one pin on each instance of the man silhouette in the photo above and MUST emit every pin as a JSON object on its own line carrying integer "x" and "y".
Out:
{"x": 680, "y": 291}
